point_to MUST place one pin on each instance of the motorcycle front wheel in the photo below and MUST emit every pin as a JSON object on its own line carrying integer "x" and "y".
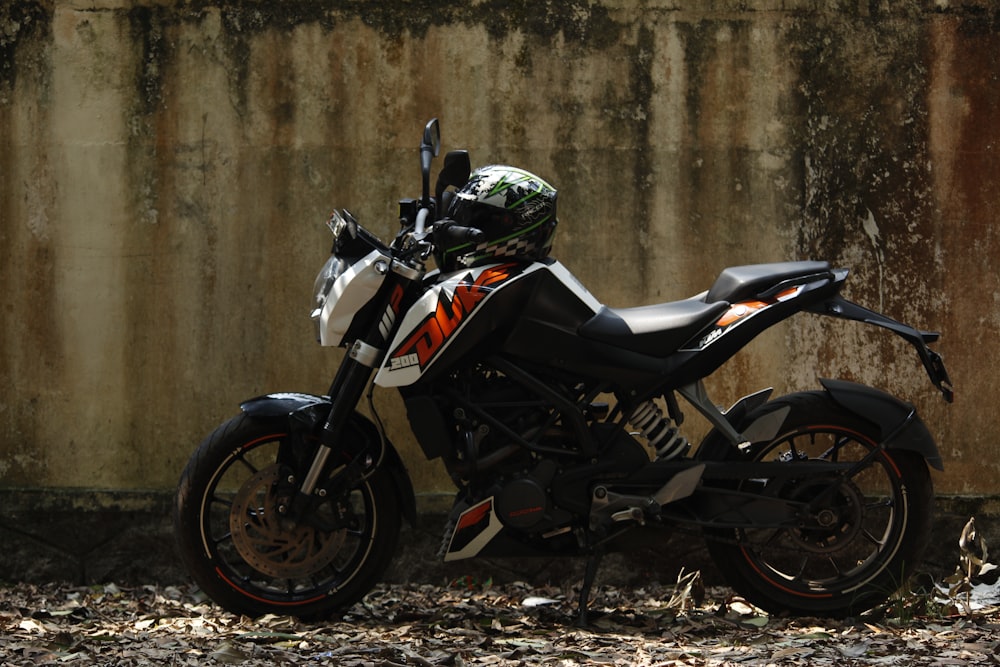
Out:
{"x": 869, "y": 530}
{"x": 248, "y": 558}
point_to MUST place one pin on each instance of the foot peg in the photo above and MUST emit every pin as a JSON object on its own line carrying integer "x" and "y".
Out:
{"x": 615, "y": 507}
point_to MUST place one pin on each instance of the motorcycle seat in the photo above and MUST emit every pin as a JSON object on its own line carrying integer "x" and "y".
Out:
{"x": 739, "y": 283}
{"x": 657, "y": 330}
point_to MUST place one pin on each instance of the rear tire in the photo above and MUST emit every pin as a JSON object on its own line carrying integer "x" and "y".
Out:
{"x": 877, "y": 523}
{"x": 246, "y": 560}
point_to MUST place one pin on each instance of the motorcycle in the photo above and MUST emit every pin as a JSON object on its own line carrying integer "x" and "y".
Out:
{"x": 557, "y": 418}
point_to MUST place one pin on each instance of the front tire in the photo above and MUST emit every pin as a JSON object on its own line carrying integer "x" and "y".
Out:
{"x": 875, "y": 525}
{"x": 241, "y": 554}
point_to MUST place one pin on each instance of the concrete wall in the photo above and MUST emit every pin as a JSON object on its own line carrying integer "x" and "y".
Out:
{"x": 166, "y": 167}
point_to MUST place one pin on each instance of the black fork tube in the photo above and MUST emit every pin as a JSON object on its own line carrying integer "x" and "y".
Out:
{"x": 353, "y": 378}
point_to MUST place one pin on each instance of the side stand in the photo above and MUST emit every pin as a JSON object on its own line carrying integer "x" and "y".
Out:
{"x": 588, "y": 582}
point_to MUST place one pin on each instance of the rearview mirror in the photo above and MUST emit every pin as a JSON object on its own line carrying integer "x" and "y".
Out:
{"x": 432, "y": 137}
{"x": 430, "y": 146}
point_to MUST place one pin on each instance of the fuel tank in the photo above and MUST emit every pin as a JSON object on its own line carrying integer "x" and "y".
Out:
{"x": 480, "y": 312}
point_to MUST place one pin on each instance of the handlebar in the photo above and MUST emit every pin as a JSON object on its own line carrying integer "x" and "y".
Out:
{"x": 448, "y": 233}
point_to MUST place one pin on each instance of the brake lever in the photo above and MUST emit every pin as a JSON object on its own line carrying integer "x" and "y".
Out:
{"x": 416, "y": 248}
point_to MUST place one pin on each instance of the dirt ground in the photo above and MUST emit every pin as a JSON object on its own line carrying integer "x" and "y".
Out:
{"x": 471, "y": 623}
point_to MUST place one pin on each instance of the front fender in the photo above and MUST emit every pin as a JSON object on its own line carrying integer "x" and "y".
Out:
{"x": 901, "y": 427}
{"x": 275, "y": 405}
{"x": 305, "y": 414}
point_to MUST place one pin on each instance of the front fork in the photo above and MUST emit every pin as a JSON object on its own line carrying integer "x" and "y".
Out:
{"x": 346, "y": 390}
{"x": 364, "y": 355}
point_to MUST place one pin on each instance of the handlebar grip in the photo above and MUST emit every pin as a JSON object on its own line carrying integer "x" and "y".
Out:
{"x": 454, "y": 234}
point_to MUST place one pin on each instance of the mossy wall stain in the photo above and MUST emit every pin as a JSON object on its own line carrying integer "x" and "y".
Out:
{"x": 867, "y": 185}
{"x": 28, "y": 230}
{"x": 21, "y": 24}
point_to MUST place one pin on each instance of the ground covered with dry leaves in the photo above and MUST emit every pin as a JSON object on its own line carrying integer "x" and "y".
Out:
{"x": 474, "y": 624}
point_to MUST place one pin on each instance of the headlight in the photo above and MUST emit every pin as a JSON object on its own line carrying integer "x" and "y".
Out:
{"x": 332, "y": 270}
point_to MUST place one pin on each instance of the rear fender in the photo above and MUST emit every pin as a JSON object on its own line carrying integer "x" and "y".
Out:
{"x": 305, "y": 414}
{"x": 900, "y": 425}
{"x": 741, "y": 408}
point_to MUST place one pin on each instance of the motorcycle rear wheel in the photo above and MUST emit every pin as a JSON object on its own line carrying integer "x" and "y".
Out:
{"x": 875, "y": 526}
{"x": 241, "y": 554}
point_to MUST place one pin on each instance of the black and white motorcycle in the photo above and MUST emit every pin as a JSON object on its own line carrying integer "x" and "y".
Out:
{"x": 557, "y": 418}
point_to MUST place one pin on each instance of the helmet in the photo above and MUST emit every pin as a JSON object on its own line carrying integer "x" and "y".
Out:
{"x": 515, "y": 210}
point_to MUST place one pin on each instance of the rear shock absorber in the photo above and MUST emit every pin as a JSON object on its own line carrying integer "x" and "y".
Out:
{"x": 659, "y": 430}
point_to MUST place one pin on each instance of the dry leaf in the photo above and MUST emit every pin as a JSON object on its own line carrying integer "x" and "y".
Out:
{"x": 429, "y": 625}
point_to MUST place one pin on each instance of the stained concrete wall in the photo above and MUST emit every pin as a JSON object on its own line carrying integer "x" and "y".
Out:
{"x": 166, "y": 167}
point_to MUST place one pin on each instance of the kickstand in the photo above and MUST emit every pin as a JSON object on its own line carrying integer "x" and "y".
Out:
{"x": 588, "y": 582}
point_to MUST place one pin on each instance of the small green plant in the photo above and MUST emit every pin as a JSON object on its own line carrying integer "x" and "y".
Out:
{"x": 916, "y": 598}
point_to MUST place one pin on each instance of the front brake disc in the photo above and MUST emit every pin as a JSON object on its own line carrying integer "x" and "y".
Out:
{"x": 264, "y": 539}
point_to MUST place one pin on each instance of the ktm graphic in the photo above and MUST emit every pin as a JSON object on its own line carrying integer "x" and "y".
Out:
{"x": 742, "y": 311}
{"x": 431, "y": 334}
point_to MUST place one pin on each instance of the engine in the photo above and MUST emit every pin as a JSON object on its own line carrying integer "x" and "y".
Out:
{"x": 552, "y": 493}
{"x": 521, "y": 451}
{"x": 525, "y": 503}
